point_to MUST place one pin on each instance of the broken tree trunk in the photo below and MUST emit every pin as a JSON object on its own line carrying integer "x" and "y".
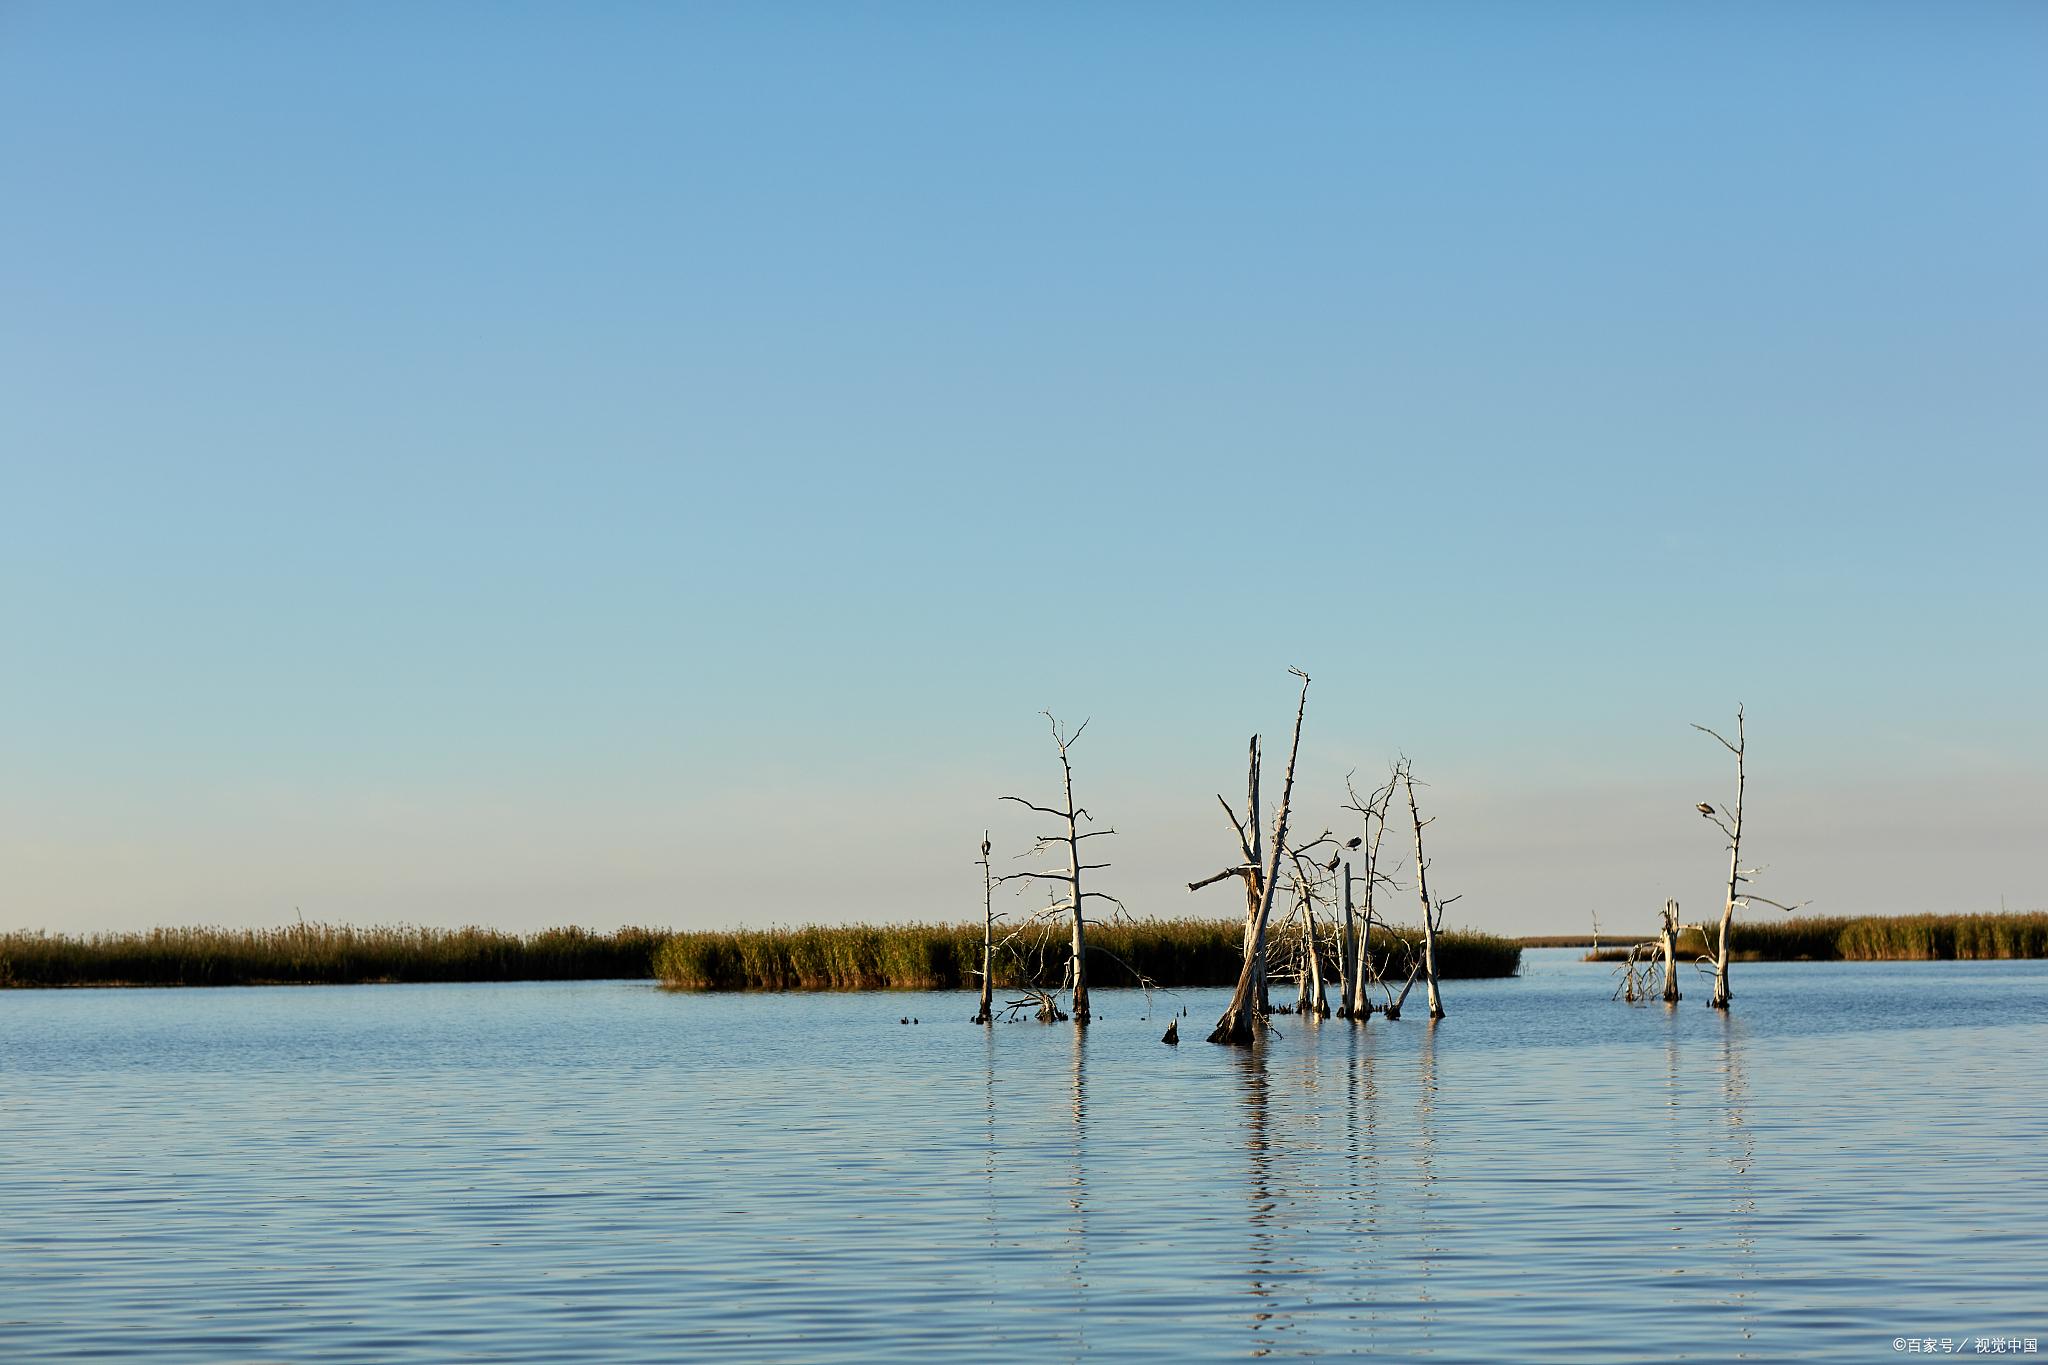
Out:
{"x": 1079, "y": 970}
{"x": 1311, "y": 999}
{"x": 1239, "y": 1021}
{"x": 1347, "y": 944}
{"x": 1251, "y": 983}
{"x": 987, "y": 1013}
{"x": 1394, "y": 1005}
{"x": 1667, "y": 938}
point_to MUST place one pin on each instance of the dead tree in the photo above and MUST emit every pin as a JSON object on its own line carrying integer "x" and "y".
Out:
{"x": 1738, "y": 875}
{"x": 1392, "y": 1009}
{"x": 1432, "y": 911}
{"x": 1240, "y": 1021}
{"x": 1309, "y": 880}
{"x": 987, "y": 1013}
{"x": 1667, "y": 940}
{"x": 1250, "y": 870}
{"x": 1347, "y": 939}
{"x": 1652, "y": 965}
{"x": 1372, "y": 814}
{"x": 1076, "y": 899}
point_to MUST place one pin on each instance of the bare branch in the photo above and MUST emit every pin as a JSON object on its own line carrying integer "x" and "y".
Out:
{"x": 1717, "y": 735}
{"x": 1243, "y": 840}
{"x": 1228, "y": 872}
{"x": 1042, "y": 810}
{"x": 1042, "y": 876}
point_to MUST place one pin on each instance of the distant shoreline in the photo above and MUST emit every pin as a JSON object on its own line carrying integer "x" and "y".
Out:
{"x": 1186, "y": 953}
{"x": 1860, "y": 938}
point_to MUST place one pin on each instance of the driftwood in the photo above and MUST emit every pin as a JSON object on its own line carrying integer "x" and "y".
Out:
{"x": 987, "y": 1014}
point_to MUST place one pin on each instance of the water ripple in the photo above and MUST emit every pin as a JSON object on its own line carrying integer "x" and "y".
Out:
{"x": 603, "y": 1172}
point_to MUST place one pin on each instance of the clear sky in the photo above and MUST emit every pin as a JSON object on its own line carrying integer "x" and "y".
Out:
{"x": 536, "y": 463}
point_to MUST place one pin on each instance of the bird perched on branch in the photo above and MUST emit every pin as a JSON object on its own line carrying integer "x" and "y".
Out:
{"x": 1331, "y": 866}
{"x": 1355, "y": 841}
{"x": 985, "y": 845}
{"x": 1706, "y": 809}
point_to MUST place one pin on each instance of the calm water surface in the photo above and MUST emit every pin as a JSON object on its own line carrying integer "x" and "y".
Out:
{"x": 601, "y": 1171}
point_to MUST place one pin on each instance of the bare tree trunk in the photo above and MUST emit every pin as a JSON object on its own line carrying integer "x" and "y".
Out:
{"x": 1347, "y": 943}
{"x": 1313, "y": 1002}
{"x": 987, "y": 1014}
{"x": 1738, "y": 897}
{"x": 1429, "y": 913}
{"x": 1239, "y": 1021}
{"x": 1721, "y": 995}
{"x": 1249, "y": 997}
{"x": 1361, "y": 1006}
{"x": 1668, "y": 937}
{"x": 1072, "y": 815}
{"x": 1372, "y": 827}
{"x": 1394, "y": 1005}
{"x": 1080, "y": 943}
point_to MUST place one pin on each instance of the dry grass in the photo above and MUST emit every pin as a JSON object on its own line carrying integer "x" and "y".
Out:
{"x": 1183, "y": 952}
{"x": 1178, "y": 952}
{"x": 1875, "y": 938}
{"x": 322, "y": 954}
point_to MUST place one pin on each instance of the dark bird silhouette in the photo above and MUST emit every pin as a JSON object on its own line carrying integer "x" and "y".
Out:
{"x": 985, "y": 846}
{"x": 1706, "y": 809}
{"x": 1331, "y": 866}
{"x": 1172, "y": 1035}
{"x": 1356, "y": 840}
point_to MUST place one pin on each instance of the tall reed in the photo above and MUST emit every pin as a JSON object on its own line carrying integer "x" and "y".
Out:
{"x": 323, "y": 954}
{"x": 1177, "y": 952}
{"x": 1876, "y": 938}
{"x": 1183, "y": 952}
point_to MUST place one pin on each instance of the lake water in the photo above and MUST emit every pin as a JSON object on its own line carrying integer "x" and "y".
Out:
{"x": 602, "y": 1171}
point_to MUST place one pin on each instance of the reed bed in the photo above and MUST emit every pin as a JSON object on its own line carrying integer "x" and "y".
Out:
{"x": 1184, "y": 952}
{"x": 322, "y": 954}
{"x": 1177, "y": 952}
{"x": 1874, "y": 938}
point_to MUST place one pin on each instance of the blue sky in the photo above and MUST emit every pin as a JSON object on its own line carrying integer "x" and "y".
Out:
{"x": 527, "y": 463}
